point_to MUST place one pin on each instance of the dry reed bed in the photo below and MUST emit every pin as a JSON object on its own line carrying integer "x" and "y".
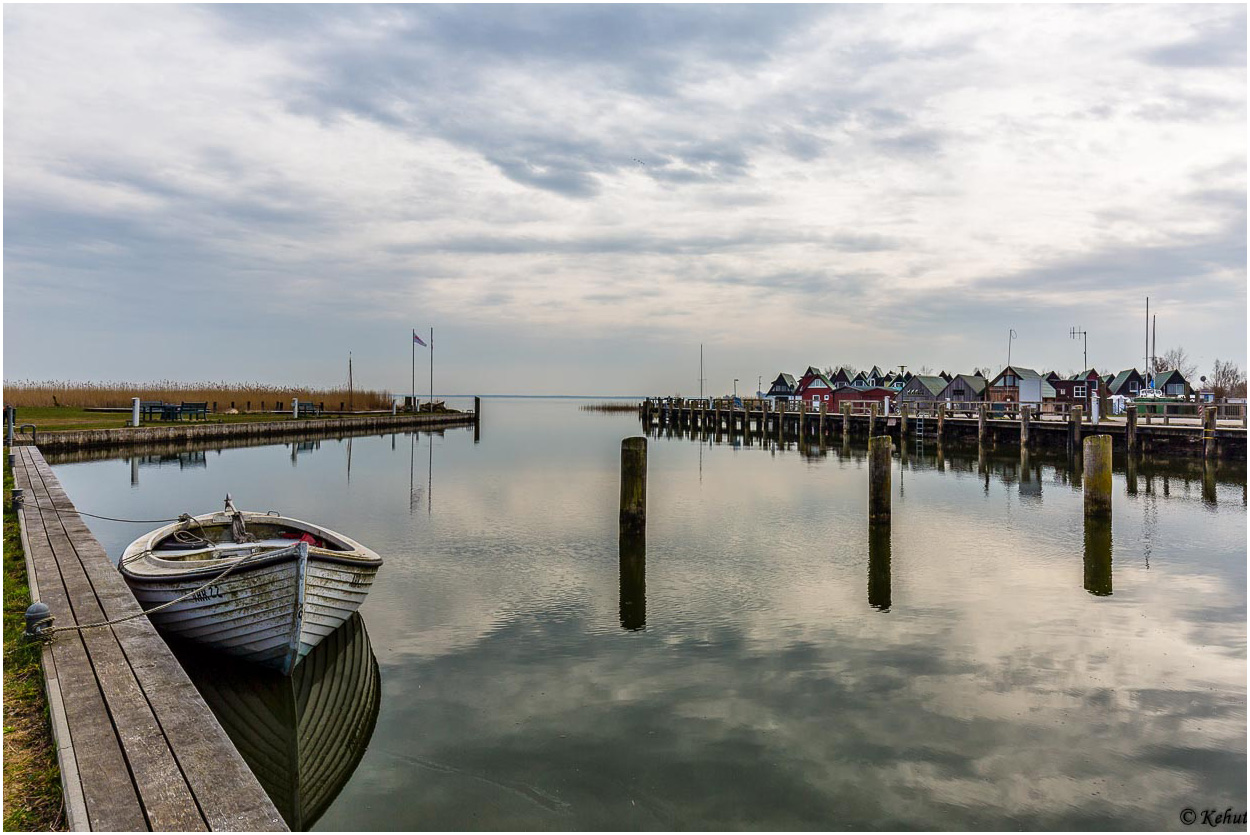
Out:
{"x": 44, "y": 393}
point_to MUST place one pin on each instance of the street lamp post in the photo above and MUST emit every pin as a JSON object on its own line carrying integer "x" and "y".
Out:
{"x": 735, "y": 388}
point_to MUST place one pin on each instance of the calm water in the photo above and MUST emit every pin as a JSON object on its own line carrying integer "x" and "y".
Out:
{"x": 764, "y": 666}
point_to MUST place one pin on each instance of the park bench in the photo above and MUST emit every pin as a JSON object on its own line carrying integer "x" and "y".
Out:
{"x": 193, "y": 410}
{"x": 306, "y": 409}
{"x": 150, "y": 409}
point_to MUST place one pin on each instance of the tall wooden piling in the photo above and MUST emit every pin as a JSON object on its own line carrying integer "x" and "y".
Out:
{"x": 872, "y": 419}
{"x": 1209, "y": 449}
{"x": 633, "y": 520}
{"x": 1025, "y": 415}
{"x": 904, "y": 412}
{"x": 824, "y": 407}
{"x": 846, "y": 420}
{"x": 1097, "y": 476}
{"x": 1130, "y": 430}
{"x": 879, "y": 447}
{"x": 983, "y": 426}
{"x": 1074, "y": 427}
{"x": 941, "y": 421}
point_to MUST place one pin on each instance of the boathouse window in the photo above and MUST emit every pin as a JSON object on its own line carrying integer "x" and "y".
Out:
{"x": 1078, "y": 391}
{"x": 1132, "y": 386}
{"x": 1010, "y": 380}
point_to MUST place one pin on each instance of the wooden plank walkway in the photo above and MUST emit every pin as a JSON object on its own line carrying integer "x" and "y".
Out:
{"x": 139, "y": 748}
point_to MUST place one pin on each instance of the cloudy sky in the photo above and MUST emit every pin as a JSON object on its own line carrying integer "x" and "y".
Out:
{"x": 576, "y": 197}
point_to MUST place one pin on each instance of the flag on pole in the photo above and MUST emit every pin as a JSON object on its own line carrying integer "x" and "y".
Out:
{"x": 417, "y": 339}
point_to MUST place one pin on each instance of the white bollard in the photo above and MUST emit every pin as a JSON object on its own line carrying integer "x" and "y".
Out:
{"x": 134, "y": 411}
{"x": 294, "y": 407}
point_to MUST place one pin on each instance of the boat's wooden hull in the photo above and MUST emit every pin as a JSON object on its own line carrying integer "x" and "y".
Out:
{"x": 273, "y": 612}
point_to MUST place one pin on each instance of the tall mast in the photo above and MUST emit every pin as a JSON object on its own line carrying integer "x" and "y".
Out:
{"x": 700, "y": 370}
{"x": 350, "y": 398}
{"x": 1147, "y": 339}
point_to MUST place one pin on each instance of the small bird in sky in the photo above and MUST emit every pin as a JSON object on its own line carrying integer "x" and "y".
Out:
{"x": 640, "y": 162}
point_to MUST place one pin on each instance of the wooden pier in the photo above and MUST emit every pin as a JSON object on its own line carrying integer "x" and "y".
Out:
{"x": 986, "y": 424}
{"x": 138, "y": 747}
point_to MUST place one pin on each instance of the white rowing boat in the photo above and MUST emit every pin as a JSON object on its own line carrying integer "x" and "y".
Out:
{"x": 264, "y": 587}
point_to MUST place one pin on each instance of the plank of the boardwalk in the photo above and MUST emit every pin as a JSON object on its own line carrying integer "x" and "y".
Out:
{"x": 166, "y": 798}
{"x": 110, "y": 796}
{"x": 227, "y": 793}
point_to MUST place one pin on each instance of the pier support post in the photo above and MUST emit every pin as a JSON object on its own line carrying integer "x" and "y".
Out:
{"x": 941, "y": 421}
{"x": 983, "y": 429}
{"x": 633, "y": 520}
{"x": 1025, "y": 417}
{"x": 1074, "y": 427}
{"x": 846, "y": 420}
{"x": 820, "y": 430}
{"x": 879, "y": 480}
{"x": 872, "y": 419}
{"x": 134, "y": 417}
{"x": 1209, "y": 449}
{"x": 904, "y": 412}
{"x": 1097, "y": 477}
{"x": 1130, "y": 429}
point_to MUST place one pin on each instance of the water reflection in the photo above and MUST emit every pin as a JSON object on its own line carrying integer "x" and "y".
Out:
{"x": 1098, "y": 557}
{"x": 879, "y": 567}
{"x": 633, "y": 569}
{"x": 302, "y": 735}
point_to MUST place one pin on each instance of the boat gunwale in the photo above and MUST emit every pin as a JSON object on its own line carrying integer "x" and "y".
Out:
{"x": 357, "y": 555}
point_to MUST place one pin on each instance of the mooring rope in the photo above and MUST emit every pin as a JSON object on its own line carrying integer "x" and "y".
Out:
{"x": 185, "y": 517}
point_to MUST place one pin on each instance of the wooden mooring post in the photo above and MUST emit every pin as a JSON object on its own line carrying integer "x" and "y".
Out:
{"x": 824, "y": 407}
{"x": 879, "y": 460}
{"x": 1097, "y": 477}
{"x": 983, "y": 428}
{"x": 633, "y": 521}
{"x": 941, "y": 421}
{"x": 1209, "y": 447}
{"x": 904, "y": 412}
{"x": 1130, "y": 430}
{"x": 1074, "y": 425}
{"x": 1025, "y": 414}
{"x": 846, "y": 420}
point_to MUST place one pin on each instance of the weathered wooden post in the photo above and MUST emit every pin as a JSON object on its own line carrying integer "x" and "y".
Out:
{"x": 904, "y": 412}
{"x": 872, "y": 419}
{"x": 633, "y": 520}
{"x": 983, "y": 427}
{"x": 1074, "y": 426}
{"x": 1209, "y": 448}
{"x": 1098, "y": 556}
{"x": 1097, "y": 477}
{"x": 633, "y": 581}
{"x": 879, "y": 567}
{"x": 1025, "y": 415}
{"x": 879, "y": 480}
{"x": 1130, "y": 430}
{"x": 820, "y": 430}
{"x": 846, "y": 420}
{"x": 941, "y": 421}
{"x": 802, "y": 417}
{"x": 134, "y": 417}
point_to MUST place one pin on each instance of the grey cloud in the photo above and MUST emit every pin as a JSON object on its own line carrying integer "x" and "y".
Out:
{"x": 1214, "y": 43}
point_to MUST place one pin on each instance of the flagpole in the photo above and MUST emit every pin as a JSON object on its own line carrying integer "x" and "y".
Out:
{"x": 413, "y": 400}
{"x": 431, "y": 368}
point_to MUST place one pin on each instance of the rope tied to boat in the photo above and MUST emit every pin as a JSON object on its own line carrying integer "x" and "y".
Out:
{"x": 37, "y": 623}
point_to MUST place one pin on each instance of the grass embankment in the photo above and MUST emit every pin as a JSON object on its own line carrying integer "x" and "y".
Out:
{"x": 32, "y": 780}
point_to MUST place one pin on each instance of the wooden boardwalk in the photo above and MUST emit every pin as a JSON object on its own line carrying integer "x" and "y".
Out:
{"x": 138, "y": 747}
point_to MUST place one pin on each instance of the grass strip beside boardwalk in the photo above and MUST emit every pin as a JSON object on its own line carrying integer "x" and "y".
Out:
{"x": 32, "y": 780}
